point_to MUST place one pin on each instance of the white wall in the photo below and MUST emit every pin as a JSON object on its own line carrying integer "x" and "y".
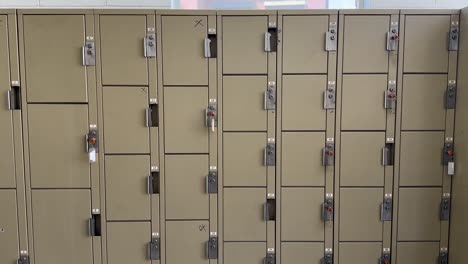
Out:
{"x": 86, "y": 3}
{"x": 414, "y": 3}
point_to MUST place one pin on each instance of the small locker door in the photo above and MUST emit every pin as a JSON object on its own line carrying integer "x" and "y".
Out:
{"x": 243, "y": 103}
{"x": 303, "y": 102}
{"x": 302, "y": 214}
{"x": 244, "y": 159}
{"x": 8, "y": 227}
{"x": 421, "y": 158}
{"x": 304, "y": 44}
{"x": 424, "y": 102}
{"x": 302, "y": 160}
{"x": 186, "y": 242}
{"x": 125, "y": 130}
{"x": 302, "y": 252}
{"x": 426, "y": 43}
{"x": 244, "y": 252}
{"x": 58, "y": 158}
{"x": 185, "y": 119}
{"x": 417, "y": 252}
{"x": 360, "y": 252}
{"x": 365, "y": 42}
{"x": 61, "y": 226}
{"x": 419, "y": 214}
{"x": 244, "y": 218}
{"x": 186, "y": 194}
{"x": 183, "y": 50}
{"x": 53, "y": 46}
{"x": 127, "y": 196}
{"x": 127, "y": 242}
{"x": 122, "y": 54}
{"x": 363, "y": 102}
{"x": 244, "y": 44}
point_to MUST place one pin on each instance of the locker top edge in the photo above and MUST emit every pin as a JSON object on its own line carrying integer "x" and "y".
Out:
{"x": 44, "y": 11}
{"x": 309, "y": 12}
{"x": 369, "y": 11}
{"x": 7, "y": 11}
{"x": 430, "y": 11}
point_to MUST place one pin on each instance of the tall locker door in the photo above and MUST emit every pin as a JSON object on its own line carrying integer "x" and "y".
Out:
{"x": 8, "y": 227}
{"x": 186, "y": 242}
{"x": 127, "y": 242}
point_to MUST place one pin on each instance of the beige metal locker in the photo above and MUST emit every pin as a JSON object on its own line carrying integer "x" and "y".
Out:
{"x": 360, "y": 252}
{"x": 127, "y": 242}
{"x": 302, "y": 252}
{"x": 244, "y": 252}
{"x": 179, "y": 249}
{"x": 417, "y": 252}
{"x": 8, "y": 227}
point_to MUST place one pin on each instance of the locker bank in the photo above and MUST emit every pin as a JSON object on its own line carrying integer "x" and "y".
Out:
{"x": 233, "y": 137}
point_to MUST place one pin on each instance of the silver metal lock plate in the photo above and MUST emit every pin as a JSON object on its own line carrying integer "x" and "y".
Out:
{"x": 150, "y": 45}
{"x": 89, "y": 52}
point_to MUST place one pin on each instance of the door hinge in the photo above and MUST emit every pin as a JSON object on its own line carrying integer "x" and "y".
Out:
{"x": 24, "y": 258}
{"x": 211, "y": 115}
{"x": 331, "y": 37}
{"x": 270, "y": 257}
{"x": 95, "y": 223}
{"x": 271, "y": 39}
{"x": 212, "y": 247}
{"x": 270, "y": 97}
{"x": 329, "y": 96}
{"x": 152, "y": 114}
{"x": 388, "y": 153}
{"x": 443, "y": 256}
{"x": 92, "y": 145}
{"x": 328, "y": 208}
{"x": 149, "y": 44}
{"x": 392, "y": 37}
{"x": 445, "y": 207}
{"x": 449, "y": 156}
{"x": 14, "y": 96}
{"x": 390, "y": 96}
{"x": 154, "y": 181}
{"x": 154, "y": 248}
{"x": 387, "y": 208}
{"x": 269, "y": 208}
{"x": 211, "y": 44}
{"x": 212, "y": 180}
{"x": 328, "y": 154}
{"x": 269, "y": 158}
{"x": 89, "y": 52}
{"x": 451, "y": 95}
{"x": 453, "y": 36}
{"x": 386, "y": 256}
{"x": 328, "y": 257}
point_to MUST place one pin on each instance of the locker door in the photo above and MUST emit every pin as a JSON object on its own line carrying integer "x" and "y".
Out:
{"x": 186, "y": 196}
{"x": 303, "y": 102}
{"x": 7, "y": 162}
{"x": 244, "y": 252}
{"x": 186, "y": 242}
{"x": 421, "y": 158}
{"x": 8, "y": 227}
{"x": 303, "y": 44}
{"x": 124, "y": 120}
{"x": 184, "y": 119}
{"x": 302, "y": 214}
{"x": 243, "y": 214}
{"x": 243, "y": 159}
{"x": 127, "y": 242}
{"x": 361, "y": 253}
{"x": 244, "y": 44}
{"x": 302, "y": 163}
{"x": 183, "y": 51}
{"x": 361, "y": 159}
{"x": 122, "y": 54}
{"x": 417, "y": 252}
{"x": 419, "y": 214}
{"x": 60, "y": 220}
{"x": 52, "y": 46}
{"x": 243, "y": 103}
{"x": 365, "y": 42}
{"x": 57, "y": 146}
{"x": 360, "y": 214}
{"x": 127, "y": 195}
{"x": 426, "y": 43}
{"x": 363, "y": 102}
{"x": 423, "y": 102}
{"x": 302, "y": 253}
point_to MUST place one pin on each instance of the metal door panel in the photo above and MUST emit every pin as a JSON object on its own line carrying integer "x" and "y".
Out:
{"x": 302, "y": 253}
{"x": 423, "y": 102}
{"x": 58, "y": 158}
{"x": 243, "y": 159}
{"x": 302, "y": 214}
{"x": 417, "y": 252}
{"x": 243, "y": 103}
{"x": 52, "y": 46}
{"x": 127, "y": 196}
{"x": 123, "y": 61}
{"x": 303, "y": 44}
{"x": 182, "y": 50}
{"x": 360, "y": 214}
{"x": 426, "y": 43}
{"x": 186, "y": 242}
{"x": 244, "y": 252}
{"x": 243, "y": 214}
{"x": 184, "y": 119}
{"x": 127, "y": 242}
{"x": 244, "y": 44}
{"x": 360, "y": 253}
{"x": 124, "y": 120}
{"x": 302, "y": 163}
{"x": 303, "y": 102}
{"x": 186, "y": 196}
{"x": 8, "y": 227}
{"x": 363, "y": 102}
{"x": 419, "y": 214}
{"x": 365, "y": 44}
{"x": 421, "y": 158}
{"x": 361, "y": 159}
{"x": 60, "y": 220}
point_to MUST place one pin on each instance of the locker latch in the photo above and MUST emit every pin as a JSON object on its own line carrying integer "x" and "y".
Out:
{"x": 211, "y": 115}
{"x": 154, "y": 248}
{"x": 149, "y": 43}
{"x": 387, "y": 208}
{"x": 453, "y": 36}
{"x": 271, "y": 39}
{"x": 443, "y": 256}
{"x": 388, "y": 153}
{"x": 386, "y": 257}
{"x": 329, "y": 96}
{"x": 14, "y": 96}
{"x": 23, "y": 259}
{"x": 451, "y": 95}
{"x": 154, "y": 181}
{"x": 270, "y": 97}
{"x": 212, "y": 181}
{"x": 390, "y": 96}
{"x": 95, "y": 223}
{"x": 392, "y": 37}
{"x": 269, "y": 208}
{"x": 269, "y": 158}
{"x": 328, "y": 155}
{"x": 212, "y": 247}
{"x": 89, "y": 52}
{"x": 270, "y": 257}
{"x": 445, "y": 207}
{"x": 211, "y": 44}
{"x": 328, "y": 208}
{"x": 152, "y": 113}
{"x": 449, "y": 157}
{"x": 331, "y": 37}
{"x": 328, "y": 257}
{"x": 92, "y": 145}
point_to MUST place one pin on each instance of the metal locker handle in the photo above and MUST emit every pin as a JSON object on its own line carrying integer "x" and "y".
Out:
{"x": 265, "y": 98}
{"x": 384, "y": 156}
{"x": 9, "y": 100}
{"x": 267, "y": 42}
{"x": 83, "y": 56}
{"x": 149, "y": 182}
{"x": 385, "y": 100}
{"x": 207, "y": 48}
{"x": 207, "y": 179}
{"x": 265, "y": 212}
{"x": 148, "y": 117}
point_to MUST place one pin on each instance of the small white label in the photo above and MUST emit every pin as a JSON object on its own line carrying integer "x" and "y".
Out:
{"x": 451, "y": 168}
{"x": 92, "y": 155}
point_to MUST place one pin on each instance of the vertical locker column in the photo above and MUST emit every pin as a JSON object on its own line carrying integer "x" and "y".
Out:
{"x": 129, "y": 117}
{"x": 426, "y": 103}
{"x": 189, "y": 182}
{"x": 305, "y": 138}
{"x": 367, "y": 90}
{"x": 61, "y": 135}
{"x": 248, "y": 149}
